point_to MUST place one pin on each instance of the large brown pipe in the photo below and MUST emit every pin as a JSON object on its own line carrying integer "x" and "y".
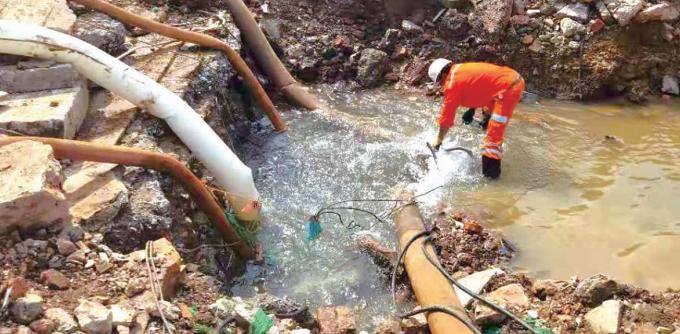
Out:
{"x": 266, "y": 57}
{"x": 82, "y": 151}
{"x": 196, "y": 38}
{"x": 429, "y": 285}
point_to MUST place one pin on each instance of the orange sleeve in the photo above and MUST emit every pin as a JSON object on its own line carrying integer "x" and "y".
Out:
{"x": 448, "y": 112}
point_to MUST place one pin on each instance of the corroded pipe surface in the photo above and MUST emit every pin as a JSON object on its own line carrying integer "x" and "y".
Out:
{"x": 197, "y": 38}
{"x": 429, "y": 285}
{"x": 82, "y": 151}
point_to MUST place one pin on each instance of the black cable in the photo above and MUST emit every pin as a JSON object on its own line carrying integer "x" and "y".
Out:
{"x": 399, "y": 259}
{"x": 224, "y": 324}
{"x": 461, "y": 317}
{"x": 292, "y": 315}
{"x": 483, "y": 300}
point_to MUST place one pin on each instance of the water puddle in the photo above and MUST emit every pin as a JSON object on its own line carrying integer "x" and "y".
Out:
{"x": 574, "y": 203}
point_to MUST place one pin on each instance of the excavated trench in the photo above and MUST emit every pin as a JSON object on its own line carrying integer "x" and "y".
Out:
{"x": 574, "y": 202}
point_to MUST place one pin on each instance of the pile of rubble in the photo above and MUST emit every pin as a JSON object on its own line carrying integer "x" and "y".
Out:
{"x": 565, "y": 49}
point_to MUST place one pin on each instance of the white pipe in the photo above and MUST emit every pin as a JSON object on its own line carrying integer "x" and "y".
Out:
{"x": 235, "y": 177}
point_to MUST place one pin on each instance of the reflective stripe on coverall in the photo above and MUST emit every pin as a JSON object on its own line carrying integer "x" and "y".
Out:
{"x": 477, "y": 85}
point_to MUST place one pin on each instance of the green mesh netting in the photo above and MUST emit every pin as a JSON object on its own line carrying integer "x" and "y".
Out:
{"x": 244, "y": 233}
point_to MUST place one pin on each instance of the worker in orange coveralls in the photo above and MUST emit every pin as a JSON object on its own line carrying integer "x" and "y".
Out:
{"x": 478, "y": 85}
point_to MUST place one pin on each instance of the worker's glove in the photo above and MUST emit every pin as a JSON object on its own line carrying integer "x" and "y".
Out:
{"x": 485, "y": 121}
{"x": 468, "y": 116}
{"x": 491, "y": 167}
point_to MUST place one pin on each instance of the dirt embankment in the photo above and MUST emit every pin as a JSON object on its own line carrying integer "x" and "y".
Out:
{"x": 568, "y": 50}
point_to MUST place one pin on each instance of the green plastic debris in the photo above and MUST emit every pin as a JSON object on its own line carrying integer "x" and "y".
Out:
{"x": 261, "y": 323}
{"x": 538, "y": 325}
{"x": 495, "y": 329}
{"x": 313, "y": 228}
{"x": 203, "y": 329}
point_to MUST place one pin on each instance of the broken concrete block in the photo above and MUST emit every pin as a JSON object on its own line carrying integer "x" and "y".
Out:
{"x": 475, "y": 282}
{"x": 39, "y": 76}
{"x": 30, "y": 187}
{"x": 605, "y": 318}
{"x": 53, "y": 14}
{"x": 54, "y": 113}
{"x": 511, "y": 297}
{"x": 98, "y": 201}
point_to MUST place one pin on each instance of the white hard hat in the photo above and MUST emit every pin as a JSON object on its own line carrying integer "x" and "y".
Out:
{"x": 436, "y": 68}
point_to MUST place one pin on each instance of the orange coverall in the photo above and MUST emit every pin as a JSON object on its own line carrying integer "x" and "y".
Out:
{"x": 476, "y": 85}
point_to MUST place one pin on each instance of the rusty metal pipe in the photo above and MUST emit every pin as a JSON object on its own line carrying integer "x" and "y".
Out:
{"x": 266, "y": 57}
{"x": 196, "y": 38}
{"x": 82, "y": 151}
{"x": 429, "y": 285}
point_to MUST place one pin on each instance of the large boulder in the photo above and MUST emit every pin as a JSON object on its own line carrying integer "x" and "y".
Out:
{"x": 64, "y": 321}
{"x": 595, "y": 289}
{"x": 490, "y": 18}
{"x": 605, "y": 318}
{"x": 30, "y": 187}
{"x": 511, "y": 297}
{"x": 371, "y": 68}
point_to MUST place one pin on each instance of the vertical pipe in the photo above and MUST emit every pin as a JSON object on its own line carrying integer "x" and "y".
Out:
{"x": 429, "y": 285}
{"x": 266, "y": 57}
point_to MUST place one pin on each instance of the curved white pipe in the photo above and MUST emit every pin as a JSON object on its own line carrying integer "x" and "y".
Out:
{"x": 34, "y": 41}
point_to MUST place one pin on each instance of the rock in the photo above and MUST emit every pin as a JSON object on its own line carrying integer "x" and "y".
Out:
{"x": 121, "y": 315}
{"x": 135, "y": 286}
{"x": 171, "y": 267}
{"x": 389, "y": 40}
{"x": 658, "y": 12}
{"x": 416, "y": 324}
{"x": 575, "y": 11}
{"x": 28, "y": 308}
{"x": 669, "y": 84}
{"x": 77, "y": 257}
{"x": 604, "y": 319}
{"x": 53, "y": 14}
{"x": 490, "y": 18}
{"x": 34, "y": 76}
{"x": 381, "y": 255}
{"x": 571, "y": 28}
{"x": 596, "y": 25}
{"x": 122, "y": 330}
{"x": 547, "y": 287}
{"x": 596, "y": 289}
{"x": 626, "y": 10}
{"x": 3, "y": 95}
{"x": 475, "y": 283}
{"x": 519, "y": 7}
{"x": 528, "y": 39}
{"x": 520, "y": 20}
{"x": 336, "y": 320}
{"x": 30, "y": 187}
{"x": 94, "y": 318}
{"x": 55, "y": 279}
{"x": 52, "y": 113}
{"x": 416, "y": 71}
{"x": 536, "y": 46}
{"x": 388, "y": 326}
{"x": 371, "y": 67}
{"x": 23, "y": 330}
{"x": 411, "y": 27}
{"x": 19, "y": 287}
{"x": 604, "y": 12}
{"x": 170, "y": 311}
{"x": 511, "y": 297}
{"x": 308, "y": 69}
{"x": 101, "y": 31}
{"x": 66, "y": 246}
{"x": 140, "y": 323}
{"x": 42, "y": 326}
{"x": 454, "y": 26}
{"x": 97, "y": 202}
{"x": 63, "y": 321}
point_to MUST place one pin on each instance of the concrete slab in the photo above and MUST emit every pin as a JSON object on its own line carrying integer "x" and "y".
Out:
{"x": 53, "y": 14}
{"x": 54, "y": 113}
{"x": 30, "y": 187}
{"x": 99, "y": 201}
{"x": 21, "y": 79}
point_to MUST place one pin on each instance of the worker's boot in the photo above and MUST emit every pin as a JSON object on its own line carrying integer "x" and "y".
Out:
{"x": 491, "y": 167}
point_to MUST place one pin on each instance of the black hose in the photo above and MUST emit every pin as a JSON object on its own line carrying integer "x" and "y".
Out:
{"x": 292, "y": 315}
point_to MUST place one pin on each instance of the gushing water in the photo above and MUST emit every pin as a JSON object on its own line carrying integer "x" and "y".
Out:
{"x": 563, "y": 190}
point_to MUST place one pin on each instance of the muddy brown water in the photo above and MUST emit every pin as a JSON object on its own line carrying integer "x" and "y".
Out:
{"x": 573, "y": 202}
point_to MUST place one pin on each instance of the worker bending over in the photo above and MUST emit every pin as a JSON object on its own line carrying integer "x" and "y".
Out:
{"x": 478, "y": 85}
